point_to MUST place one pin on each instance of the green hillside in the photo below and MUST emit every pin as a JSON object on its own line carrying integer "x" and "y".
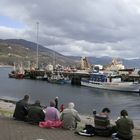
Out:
{"x": 23, "y": 51}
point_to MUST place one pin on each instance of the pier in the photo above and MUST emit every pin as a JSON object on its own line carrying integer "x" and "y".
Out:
{"x": 74, "y": 76}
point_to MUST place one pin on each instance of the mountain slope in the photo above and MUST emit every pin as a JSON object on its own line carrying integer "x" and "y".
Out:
{"x": 19, "y": 50}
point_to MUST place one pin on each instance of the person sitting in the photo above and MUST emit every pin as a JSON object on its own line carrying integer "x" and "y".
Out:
{"x": 101, "y": 126}
{"x": 102, "y": 123}
{"x": 124, "y": 127}
{"x": 21, "y": 108}
{"x": 52, "y": 117}
{"x": 35, "y": 113}
{"x": 61, "y": 107}
{"x": 51, "y": 113}
{"x": 70, "y": 117}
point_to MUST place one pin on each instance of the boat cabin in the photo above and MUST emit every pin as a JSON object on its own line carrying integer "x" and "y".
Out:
{"x": 97, "y": 77}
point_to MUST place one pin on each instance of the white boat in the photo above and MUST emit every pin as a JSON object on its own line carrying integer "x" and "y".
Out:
{"x": 101, "y": 81}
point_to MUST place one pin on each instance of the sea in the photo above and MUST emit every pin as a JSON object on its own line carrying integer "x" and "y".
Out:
{"x": 86, "y": 99}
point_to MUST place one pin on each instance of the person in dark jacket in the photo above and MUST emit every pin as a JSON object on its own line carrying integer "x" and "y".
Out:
{"x": 56, "y": 102}
{"x": 102, "y": 126}
{"x": 124, "y": 127}
{"x": 21, "y": 108}
{"x": 35, "y": 113}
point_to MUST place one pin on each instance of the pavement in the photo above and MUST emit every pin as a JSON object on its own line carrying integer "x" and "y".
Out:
{"x": 11, "y": 129}
{"x": 17, "y": 130}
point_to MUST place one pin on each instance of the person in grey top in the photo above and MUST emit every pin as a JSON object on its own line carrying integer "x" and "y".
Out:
{"x": 70, "y": 117}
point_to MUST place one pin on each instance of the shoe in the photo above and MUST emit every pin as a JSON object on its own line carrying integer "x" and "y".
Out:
{"x": 85, "y": 134}
{"x": 84, "y": 131}
{"x": 116, "y": 138}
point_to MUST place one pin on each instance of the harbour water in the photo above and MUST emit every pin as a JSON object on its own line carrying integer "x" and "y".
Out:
{"x": 86, "y": 99}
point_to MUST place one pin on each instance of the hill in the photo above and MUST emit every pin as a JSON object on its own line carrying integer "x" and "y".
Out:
{"x": 19, "y": 50}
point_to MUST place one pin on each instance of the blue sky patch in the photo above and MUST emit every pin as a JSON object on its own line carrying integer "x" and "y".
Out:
{"x": 8, "y": 22}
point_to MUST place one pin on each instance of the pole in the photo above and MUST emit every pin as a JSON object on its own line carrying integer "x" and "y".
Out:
{"x": 37, "y": 44}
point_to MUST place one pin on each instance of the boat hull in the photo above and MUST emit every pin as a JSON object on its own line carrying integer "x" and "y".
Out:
{"x": 59, "y": 81}
{"x": 122, "y": 86}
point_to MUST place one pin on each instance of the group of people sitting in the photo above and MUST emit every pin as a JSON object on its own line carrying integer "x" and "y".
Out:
{"x": 122, "y": 130}
{"x": 51, "y": 117}
{"x": 46, "y": 117}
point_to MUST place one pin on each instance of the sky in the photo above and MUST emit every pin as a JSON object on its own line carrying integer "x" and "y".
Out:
{"x": 75, "y": 27}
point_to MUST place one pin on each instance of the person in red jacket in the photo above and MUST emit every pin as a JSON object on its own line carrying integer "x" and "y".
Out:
{"x": 62, "y": 108}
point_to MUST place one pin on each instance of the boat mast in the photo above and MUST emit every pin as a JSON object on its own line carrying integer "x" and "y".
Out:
{"x": 54, "y": 58}
{"x": 37, "y": 44}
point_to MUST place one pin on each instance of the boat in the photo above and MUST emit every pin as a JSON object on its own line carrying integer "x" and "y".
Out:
{"x": 45, "y": 77}
{"x": 12, "y": 74}
{"x": 102, "y": 81}
{"x": 58, "y": 78}
{"x": 17, "y": 72}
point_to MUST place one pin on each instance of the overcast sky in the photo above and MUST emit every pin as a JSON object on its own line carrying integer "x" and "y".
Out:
{"x": 75, "y": 27}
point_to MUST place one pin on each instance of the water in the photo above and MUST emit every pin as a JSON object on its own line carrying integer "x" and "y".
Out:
{"x": 86, "y": 99}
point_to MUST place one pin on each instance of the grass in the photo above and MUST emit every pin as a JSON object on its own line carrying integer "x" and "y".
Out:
{"x": 6, "y": 113}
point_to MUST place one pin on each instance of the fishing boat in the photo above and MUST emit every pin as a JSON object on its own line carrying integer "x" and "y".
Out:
{"x": 101, "y": 81}
{"x": 58, "y": 78}
{"x": 17, "y": 72}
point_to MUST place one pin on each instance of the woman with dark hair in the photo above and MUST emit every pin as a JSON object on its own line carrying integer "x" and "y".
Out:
{"x": 124, "y": 127}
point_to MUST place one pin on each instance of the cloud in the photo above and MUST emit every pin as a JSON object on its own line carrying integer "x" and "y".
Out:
{"x": 81, "y": 27}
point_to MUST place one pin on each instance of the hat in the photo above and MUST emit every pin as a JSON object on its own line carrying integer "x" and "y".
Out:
{"x": 71, "y": 105}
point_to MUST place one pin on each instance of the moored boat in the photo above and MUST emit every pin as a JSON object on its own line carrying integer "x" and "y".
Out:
{"x": 58, "y": 78}
{"x": 17, "y": 72}
{"x": 102, "y": 81}
{"x": 12, "y": 74}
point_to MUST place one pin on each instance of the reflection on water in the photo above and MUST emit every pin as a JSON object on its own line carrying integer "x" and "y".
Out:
{"x": 86, "y": 99}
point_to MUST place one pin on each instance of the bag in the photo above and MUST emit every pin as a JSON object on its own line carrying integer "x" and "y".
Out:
{"x": 89, "y": 129}
{"x": 50, "y": 124}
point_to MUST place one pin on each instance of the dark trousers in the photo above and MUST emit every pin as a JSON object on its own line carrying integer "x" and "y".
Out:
{"x": 122, "y": 138}
{"x": 106, "y": 132}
